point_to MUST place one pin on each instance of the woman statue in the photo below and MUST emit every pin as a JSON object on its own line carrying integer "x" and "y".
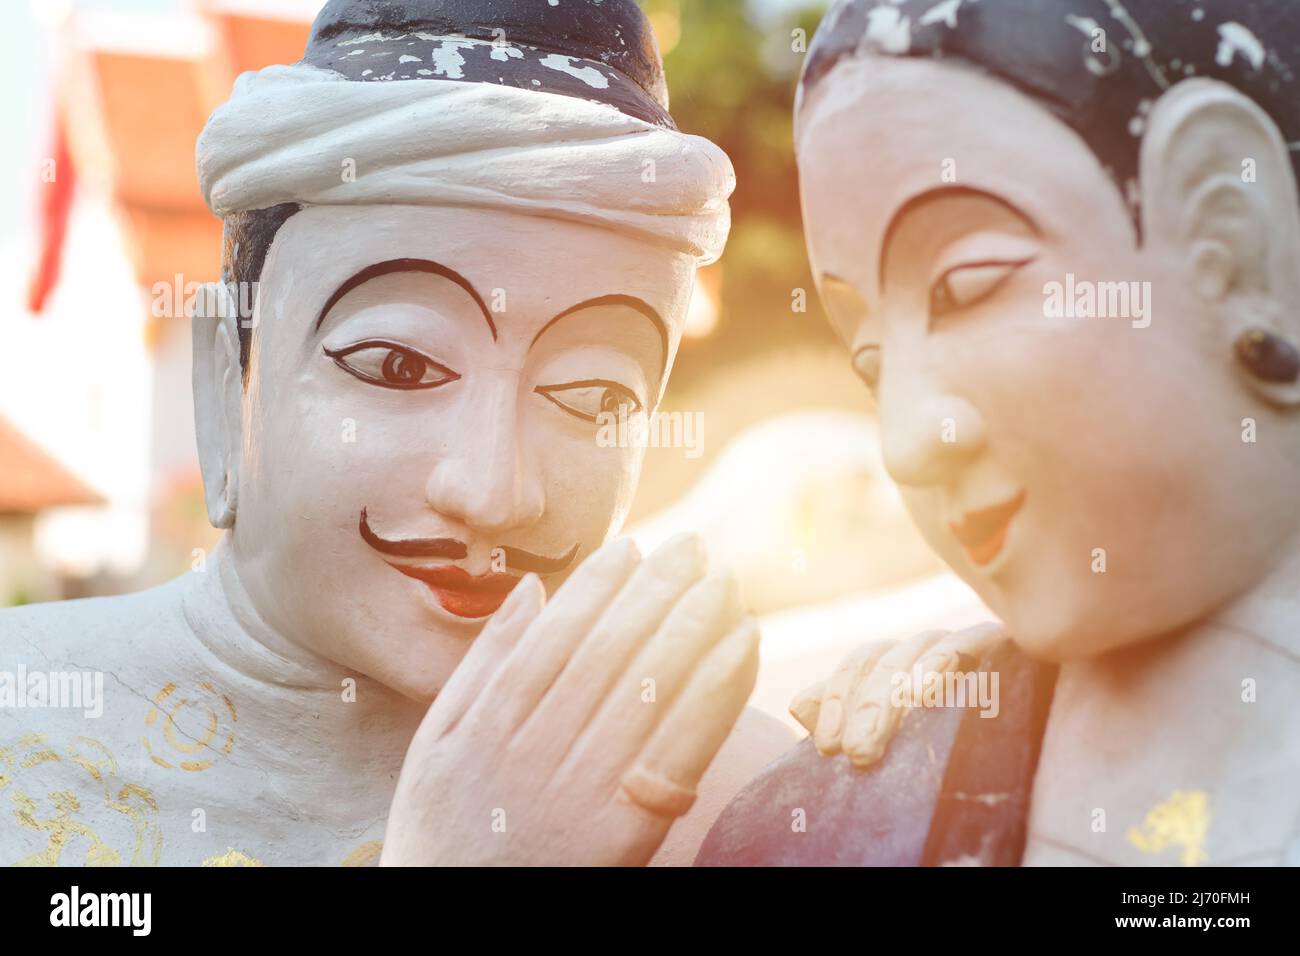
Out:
{"x": 1060, "y": 240}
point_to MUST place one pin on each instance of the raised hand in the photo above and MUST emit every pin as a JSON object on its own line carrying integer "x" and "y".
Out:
{"x": 576, "y": 731}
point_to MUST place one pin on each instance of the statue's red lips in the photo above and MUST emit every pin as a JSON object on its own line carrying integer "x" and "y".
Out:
{"x": 982, "y": 533}
{"x": 460, "y": 592}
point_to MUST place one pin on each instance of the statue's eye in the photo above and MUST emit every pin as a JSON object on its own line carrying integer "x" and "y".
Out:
{"x": 968, "y": 285}
{"x": 587, "y": 400}
{"x": 391, "y": 366}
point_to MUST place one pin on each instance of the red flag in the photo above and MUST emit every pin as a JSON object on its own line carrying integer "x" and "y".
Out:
{"x": 56, "y": 203}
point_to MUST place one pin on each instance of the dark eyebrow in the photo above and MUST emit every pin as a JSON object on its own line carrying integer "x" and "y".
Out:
{"x": 632, "y": 302}
{"x": 406, "y": 265}
{"x": 939, "y": 195}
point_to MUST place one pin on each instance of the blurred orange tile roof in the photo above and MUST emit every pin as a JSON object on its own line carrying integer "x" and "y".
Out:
{"x": 31, "y": 480}
{"x": 136, "y": 93}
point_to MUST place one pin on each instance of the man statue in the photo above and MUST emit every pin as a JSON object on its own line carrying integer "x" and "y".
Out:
{"x": 472, "y": 228}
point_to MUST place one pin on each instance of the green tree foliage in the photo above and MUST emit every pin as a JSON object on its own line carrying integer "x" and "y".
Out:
{"x": 732, "y": 72}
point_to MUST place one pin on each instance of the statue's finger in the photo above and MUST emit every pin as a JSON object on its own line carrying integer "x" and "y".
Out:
{"x": 515, "y": 688}
{"x": 644, "y": 694}
{"x": 499, "y": 637}
{"x": 946, "y": 655}
{"x": 839, "y": 691}
{"x": 669, "y": 767}
{"x": 807, "y": 704}
{"x": 875, "y": 710}
{"x": 612, "y": 643}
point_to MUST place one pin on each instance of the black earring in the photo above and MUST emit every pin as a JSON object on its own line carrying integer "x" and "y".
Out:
{"x": 1268, "y": 357}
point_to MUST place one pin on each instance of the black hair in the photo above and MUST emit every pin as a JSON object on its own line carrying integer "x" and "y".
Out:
{"x": 245, "y": 240}
{"x": 1046, "y": 49}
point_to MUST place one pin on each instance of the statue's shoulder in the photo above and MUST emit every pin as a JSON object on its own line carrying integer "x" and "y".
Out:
{"x": 92, "y": 632}
{"x": 49, "y": 651}
{"x": 953, "y": 788}
{"x": 75, "y": 682}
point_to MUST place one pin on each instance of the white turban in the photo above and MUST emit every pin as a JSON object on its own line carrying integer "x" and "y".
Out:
{"x": 287, "y": 134}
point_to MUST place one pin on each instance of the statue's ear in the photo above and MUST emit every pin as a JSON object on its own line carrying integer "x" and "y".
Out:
{"x": 218, "y": 398}
{"x": 1219, "y": 192}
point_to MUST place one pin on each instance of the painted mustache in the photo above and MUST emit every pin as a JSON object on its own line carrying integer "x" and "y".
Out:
{"x": 517, "y": 559}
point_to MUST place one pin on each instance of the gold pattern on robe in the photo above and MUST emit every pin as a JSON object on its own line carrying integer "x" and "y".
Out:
{"x": 365, "y": 855}
{"x": 232, "y": 857}
{"x": 60, "y": 815}
{"x": 164, "y": 739}
{"x": 1181, "y": 821}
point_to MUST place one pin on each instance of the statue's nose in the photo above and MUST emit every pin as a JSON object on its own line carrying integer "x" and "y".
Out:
{"x": 486, "y": 478}
{"x": 926, "y": 439}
